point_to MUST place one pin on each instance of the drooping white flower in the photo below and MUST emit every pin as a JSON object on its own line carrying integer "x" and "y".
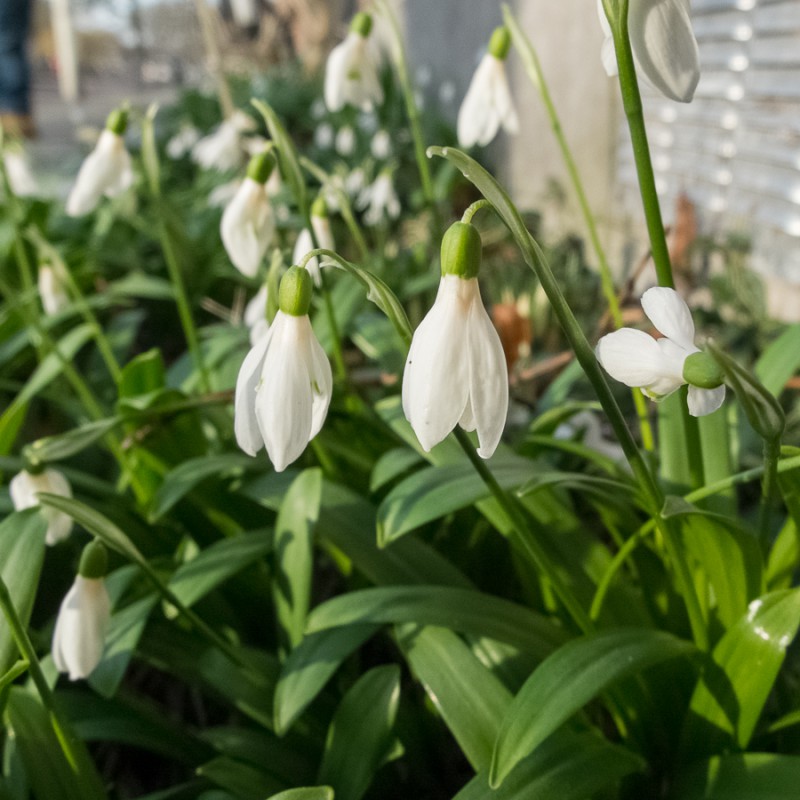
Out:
{"x": 24, "y": 489}
{"x": 183, "y": 141}
{"x": 285, "y": 383}
{"x": 223, "y": 148}
{"x": 456, "y": 373}
{"x": 324, "y": 136}
{"x": 658, "y": 366}
{"x": 255, "y": 316}
{"x": 379, "y": 199}
{"x": 663, "y": 44}
{"x": 84, "y": 616}
{"x": 305, "y": 244}
{"x": 488, "y": 105}
{"x": 248, "y": 223}
{"x": 381, "y": 144}
{"x": 105, "y": 171}
{"x": 222, "y": 195}
{"x": 351, "y": 74}
{"x": 354, "y": 182}
{"x": 53, "y": 288}
{"x": 345, "y": 141}
{"x": 20, "y": 175}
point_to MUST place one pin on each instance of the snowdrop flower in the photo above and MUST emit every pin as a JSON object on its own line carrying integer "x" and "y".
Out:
{"x": 82, "y": 623}
{"x": 285, "y": 383}
{"x": 663, "y": 45}
{"x": 247, "y": 223}
{"x": 18, "y": 171}
{"x": 487, "y": 104}
{"x": 222, "y": 195}
{"x": 321, "y": 225}
{"x": 255, "y": 316}
{"x": 588, "y": 425}
{"x": 355, "y": 181}
{"x": 105, "y": 171}
{"x": 24, "y": 489}
{"x": 660, "y": 366}
{"x": 381, "y": 145}
{"x": 183, "y": 141}
{"x": 345, "y": 141}
{"x": 324, "y": 136}
{"x": 351, "y": 74}
{"x": 379, "y": 199}
{"x": 222, "y": 149}
{"x": 53, "y": 288}
{"x": 456, "y": 371}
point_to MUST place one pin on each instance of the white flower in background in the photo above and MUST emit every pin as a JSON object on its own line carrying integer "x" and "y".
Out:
{"x": 351, "y": 74}
{"x": 223, "y": 148}
{"x": 663, "y": 45}
{"x": 222, "y": 195}
{"x": 324, "y": 136}
{"x": 587, "y": 424}
{"x": 105, "y": 171}
{"x": 447, "y": 92}
{"x": 660, "y": 366}
{"x": 248, "y": 223}
{"x": 456, "y": 371}
{"x": 24, "y": 489}
{"x": 488, "y": 104}
{"x": 53, "y": 288}
{"x": 83, "y": 619}
{"x": 18, "y": 170}
{"x": 255, "y": 316}
{"x": 318, "y": 109}
{"x": 381, "y": 144}
{"x": 379, "y": 199}
{"x": 355, "y": 182}
{"x": 183, "y": 141}
{"x": 285, "y": 383}
{"x": 345, "y": 141}
{"x": 245, "y": 13}
{"x": 367, "y": 121}
{"x": 305, "y": 244}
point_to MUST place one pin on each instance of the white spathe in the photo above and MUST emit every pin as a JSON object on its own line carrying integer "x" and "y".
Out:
{"x": 283, "y": 391}
{"x": 487, "y": 105}
{"x": 379, "y": 200}
{"x": 105, "y": 171}
{"x": 255, "y": 316}
{"x": 655, "y": 366}
{"x": 223, "y": 148}
{"x": 305, "y": 244}
{"x": 663, "y": 45}
{"x": 351, "y": 75}
{"x": 247, "y": 226}
{"x": 81, "y": 627}
{"x": 24, "y": 489}
{"x": 456, "y": 370}
{"x": 52, "y": 288}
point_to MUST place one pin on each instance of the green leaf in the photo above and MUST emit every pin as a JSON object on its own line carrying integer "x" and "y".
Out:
{"x": 391, "y": 465}
{"x": 433, "y": 492}
{"x": 64, "y": 445}
{"x": 471, "y": 700}
{"x": 243, "y": 780}
{"x": 294, "y": 555}
{"x": 142, "y": 375}
{"x": 309, "y": 667}
{"x": 571, "y": 677}
{"x": 141, "y": 285}
{"x": 730, "y": 696}
{"x": 22, "y": 547}
{"x": 750, "y": 776}
{"x": 780, "y": 360}
{"x": 461, "y": 610}
{"x": 360, "y": 737}
{"x": 567, "y": 766}
{"x": 305, "y": 793}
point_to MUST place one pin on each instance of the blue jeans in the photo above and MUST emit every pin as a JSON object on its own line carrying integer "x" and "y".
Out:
{"x": 15, "y": 17}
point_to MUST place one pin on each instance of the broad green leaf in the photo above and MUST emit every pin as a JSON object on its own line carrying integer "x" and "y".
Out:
{"x": 673, "y": 456}
{"x": 471, "y": 700}
{"x": 138, "y": 284}
{"x": 730, "y": 696}
{"x": 294, "y": 554}
{"x": 22, "y": 547}
{"x": 571, "y": 677}
{"x": 461, "y": 610}
{"x": 17, "y": 669}
{"x": 391, "y": 465}
{"x": 143, "y": 375}
{"x": 64, "y": 445}
{"x": 36, "y": 741}
{"x": 715, "y": 440}
{"x": 360, "y": 737}
{"x": 212, "y": 566}
{"x": 780, "y": 360}
{"x": 243, "y": 780}
{"x": 576, "y": 480}
{"x": 567, "y": 766}
{"x": 750, "y": 776}
{"x": 309, "y": 667}
{"x": 305, "y": 793}
{"x": 433, "y": 492}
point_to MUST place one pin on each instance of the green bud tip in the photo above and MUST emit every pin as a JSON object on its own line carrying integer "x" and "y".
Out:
{"x": 94, "y": 560}
{"x": 260, "y": 167}
{"x": 117, "y": 121}
{"x": 294, "y": 295}
{"x": 319, "y": 208}
{"x": 461, "y": 251}
{"x": 500, "y": 43}
{"x": 701, "y": 370}
{"x": 361, "y": 24}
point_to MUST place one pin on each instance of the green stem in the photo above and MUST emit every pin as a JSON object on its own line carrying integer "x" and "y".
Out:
{"x": 473, "y": 209}
{"x": 772, "y": 451}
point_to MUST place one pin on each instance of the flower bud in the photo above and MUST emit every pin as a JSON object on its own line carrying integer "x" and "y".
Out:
{"x": 361, "y": 24}
{"x": 461, "y": 251}
{"x": 94, "y": 561}
{"x": 500, "y": 43}
{"x": 319, "y": 208}
{"x": 700, "y": 369}
{"x": 117, "y": 121}
{"x": 294, "y": 295}
{"x": 260, "y": 167}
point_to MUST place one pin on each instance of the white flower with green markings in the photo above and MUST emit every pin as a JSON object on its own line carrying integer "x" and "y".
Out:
{"x": 24, "y": 489}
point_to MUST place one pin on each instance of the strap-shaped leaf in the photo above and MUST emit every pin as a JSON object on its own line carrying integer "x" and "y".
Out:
{"x": 750, "y": 776}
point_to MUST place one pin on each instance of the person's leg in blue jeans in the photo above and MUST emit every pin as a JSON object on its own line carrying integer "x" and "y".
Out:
{"x": 15, "y": 100}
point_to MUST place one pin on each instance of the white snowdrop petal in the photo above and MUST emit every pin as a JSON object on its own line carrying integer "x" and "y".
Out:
{"x": 669, "y": 313}
{"x": 705, "y": 401}
{"x": 321, "y": 379}
{"x": 502, "y": 100}
{"x": 477, "y": 120}
{"x": 99, "y": 171}
{"x": 245, "y": 424}
{"x": 335, "y": 75}
{"x": 630, "y": 356}
{"x": 255, "y": 311}
{"x": 608, "y": 55}
{"x": 303, "y": 245}
{"x": 247, "y": 227}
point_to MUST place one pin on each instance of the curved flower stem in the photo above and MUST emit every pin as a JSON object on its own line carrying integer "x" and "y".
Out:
{"x": 473, "y": 209}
